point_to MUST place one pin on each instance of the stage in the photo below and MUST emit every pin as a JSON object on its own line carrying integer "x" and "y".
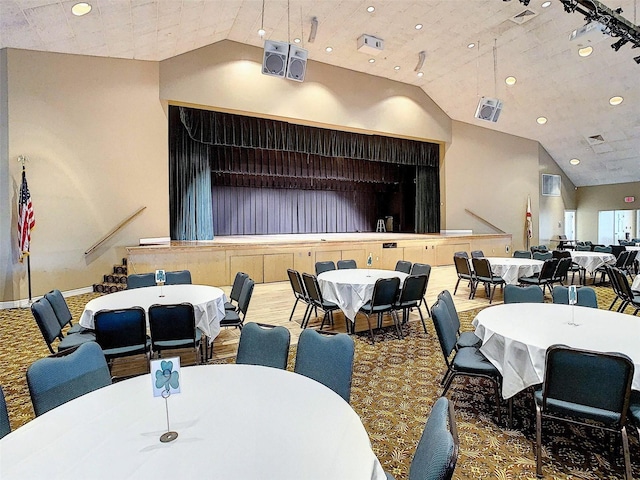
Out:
{"x": 266, "y": 258}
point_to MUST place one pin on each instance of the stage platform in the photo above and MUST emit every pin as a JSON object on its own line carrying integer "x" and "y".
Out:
{"x": 266, "y": 258}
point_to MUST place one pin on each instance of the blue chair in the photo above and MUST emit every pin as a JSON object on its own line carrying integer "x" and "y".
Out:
{"x": 586, "y": 296}
{"x": 521, "y": 254}
{"x": 140, "y": 280}
{"x": 317, "y": 301}
{"x": 543, "y": 278}
{"x": 180, "y": 277}
{"x": 5, "y": 426}
{"x": 403, "y": 266}
{"x": 436, "y": 455}
{"x": 328, "y": 359}
{"x": 60, "y": 378}
{"x": 518, "y": 294}
{"x": 383, "y": 299}
{"x": 477, "y": 254}
{"x": 299, "y": 292}
{"x": 63, "y": 314}
{"x": 602, "y": 248}
{"x": 587, "y": 388}
{"x": 235, "y": 318}
{"x": 423, "y": 269}
{"x": 347, "y": 264}
{"x": 537, "y": 255}
{"x": 172, "y": 327}
{"x": 327, "y": 266}
{"x": 122, "y": 333}
{"x": 464, "y": 272}
{"x": 265, "y": 345}
{"x": 236, "y": 288}
{"x": 463, "y": 339}
{"x": 411, "y": 296}
{"x": 484, "y": 275}
{"x": 51, "y": 330}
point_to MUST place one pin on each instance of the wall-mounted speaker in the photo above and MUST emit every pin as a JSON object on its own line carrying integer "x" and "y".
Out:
{"x": 489, "y": 109}
{"x": 275, "y": 58}
{"x": 297, "y": 63}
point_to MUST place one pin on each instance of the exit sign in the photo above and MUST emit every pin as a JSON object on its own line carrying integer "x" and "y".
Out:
{"x": 629, "y": 199}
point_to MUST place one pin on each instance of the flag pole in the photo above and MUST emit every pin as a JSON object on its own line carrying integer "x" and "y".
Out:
{"x": 22, "y": 159}
{"x": 29, "y": 277}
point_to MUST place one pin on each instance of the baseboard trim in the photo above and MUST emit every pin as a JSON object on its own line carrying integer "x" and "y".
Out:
{"x": 24, "y": 303}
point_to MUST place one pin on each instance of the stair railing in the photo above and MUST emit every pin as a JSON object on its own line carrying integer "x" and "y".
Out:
{"x": 114, "y": 230}
{"x": 499, "y": 230}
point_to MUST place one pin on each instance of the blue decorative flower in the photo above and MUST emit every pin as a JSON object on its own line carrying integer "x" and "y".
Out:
{"x": 166, "y": 378}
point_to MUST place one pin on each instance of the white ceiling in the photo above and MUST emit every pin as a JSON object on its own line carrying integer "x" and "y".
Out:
{"x": 552, "y": 80}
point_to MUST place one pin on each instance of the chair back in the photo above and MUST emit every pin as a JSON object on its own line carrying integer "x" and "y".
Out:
{"x": 312, "y": 287}
{"x": 126, "y": 327}
{"x": 602, "y": 249}
{"x": 139, "y": 280}
{"x": 462, "y": 266}
{"x": 296, "y": 284}
{"x": 583, "y": 248}
{"x": 60, "y": 307}
{"x": 347, "y": 264}
{"x": 477, "y": 254}
{"x": 413, "y": 290}
{"x": 58, "y": 379}
{"x": 327, "y": 266}
{"x": 593, "y": 385}
{"x": 446, "y": 298}
{"x": 538, "y": 248}
{"x": 528, "y": 294}
{"x": 447, "y": 334}
{"x": 586, "y": 296}
{"x": 521, "y": 254}
{"x": 621, "y": 261}
{"x": 5, "y": 426}
{"x": 236, "y": 288}
{"x": 482, "y": 268}
{"x": 47, "y": 321}
{"x": 437, "y": 452}
{"x": 265, "y": 345}
{"x": 461, "y": 254}
{"x": 245, "y": 296}
{"x": 180, "y": 277}
{"x": 624, "y": 289}
{"x": 385, "y": 293}
{"x": 561, "y": 254}
{"x": 548, "y": 269}
{"x": 631, "y": 258}
{"x": 327, "y": 359}
{"x": 537, "y": 255}
{"x": 562, "y": 268}
{"x": 403, "y": 266}
{"x": 169, "y": 323}
{"x": 421, "y": 269}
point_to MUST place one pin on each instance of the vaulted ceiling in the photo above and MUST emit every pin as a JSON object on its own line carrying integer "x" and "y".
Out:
{"x": 530, "y": 43}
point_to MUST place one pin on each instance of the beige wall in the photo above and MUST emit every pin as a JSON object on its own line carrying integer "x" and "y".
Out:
{"x": 603, "y": 197}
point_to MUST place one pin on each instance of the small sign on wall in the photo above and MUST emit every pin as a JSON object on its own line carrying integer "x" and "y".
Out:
{"x": 629, "y": 199}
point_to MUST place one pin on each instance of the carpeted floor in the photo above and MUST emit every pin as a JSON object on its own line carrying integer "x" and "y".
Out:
{"x": 395, "y": 383}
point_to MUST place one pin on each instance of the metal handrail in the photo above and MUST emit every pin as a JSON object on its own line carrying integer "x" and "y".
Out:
{"x": 484, "y": 221}
{"x": 114, "y": 231}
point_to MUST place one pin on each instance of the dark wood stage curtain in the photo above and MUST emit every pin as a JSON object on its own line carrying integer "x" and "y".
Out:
{"x": 269, "y": 177}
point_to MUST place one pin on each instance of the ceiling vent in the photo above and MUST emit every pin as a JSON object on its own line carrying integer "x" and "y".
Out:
{"x": 595, "y": 140}
{"x": 523, "y": 17}
{"x": 370, "y": 45}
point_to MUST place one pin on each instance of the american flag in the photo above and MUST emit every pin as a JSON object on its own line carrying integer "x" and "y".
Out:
{"x": 26, "y": 218}
{"x": 528, "y": 218}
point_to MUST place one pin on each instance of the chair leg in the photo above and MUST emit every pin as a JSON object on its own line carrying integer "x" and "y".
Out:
{"x": 496, "y": 384}
{"x": 456, "y": 287}
{"x": 294, "y": 308}
{"x": 491, "y": 292}
{"x": 370, "y": 330}
{"x": 307, "y": 316}
{"x": 625, "y": 450}
{"x": 396, "y": 321}
{"x": 449, "y": 378}
{"x": 538, "y": 442}
{"x": 422, "y": 319}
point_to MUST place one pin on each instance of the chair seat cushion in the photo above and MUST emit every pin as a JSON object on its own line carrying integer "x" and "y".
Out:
{"x": 468, "y": 339}
{"x": 184, "y": 342}
{"x": 494, "y": 279}
{"x": 76, "y": 339}
{"x": 77, "y": 328}
{"x": 534, "y": 280}
{"x": 229, "y": 306}
{"x": 366, "y": 308}
{"x": 329, "y": 306}
{"x": 128, "y": 350}
{"x": 469, "y": 359}
{"x": 634, "y": 406}
{"x": 575, "y": 410}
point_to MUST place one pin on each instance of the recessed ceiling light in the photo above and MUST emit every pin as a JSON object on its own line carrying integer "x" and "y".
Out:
{"x": 371, "y": 9}
{"x": 80, "y": 9}
{"x": 471, "y": 45}
{"x": 418, "y": 26}
{"x": 585, "y": 51}
{"x": 574, "y": 161}
{"x": 372, "y": 60}
{"x": 328, "y": 49}
{"x": 546, "y": 4}
{"x": 510, "y": 81}
{"x": 420, "y": 74}
{"x": 261, "y": 32}
{"x": 296, "y": 40}
{"x": 397, "y": 67}
{"x": 615, "y": 100}
{"x": 541, "y": 120}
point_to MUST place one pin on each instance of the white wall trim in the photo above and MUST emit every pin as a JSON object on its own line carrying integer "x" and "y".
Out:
{"x": 24, "y": 303}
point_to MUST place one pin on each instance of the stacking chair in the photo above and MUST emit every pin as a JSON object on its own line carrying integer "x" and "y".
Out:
{"x": 172, "y": 327}
{"x": 631, "y": 263}
{"x": 236, "y": 288}
{"x": 315, "y": 297}
{"x": 328, "y": 359}
{"x": 602, "y": 249}
{"x": 122, "y": 333}
{"x": 5, "y": 426}
{"x": 561, "y": 272}
{"x": 180, "y": 277}
{"x": 467, "y": 361}
{"x": 521, "y": 254}
{"x": 322, "y": 267}
{"x": 347, "y": 264}
{"x": 582, "y": 247}
{"x": 436, "y": 455}
{"x": 299, "y": 292}
{"x": 423, "y": 269}
{"x": 628, "y": 297}
{"x": 411, "y": 296}
{"x": 586, "y": 296}
{"x": 537, "y": 255}
{"x": 236, "y": 318}
{"x": 403, "y": 266}
{"x": 523, "y": 294}
{"x": 139, "y": 280}
{"x": 573, "y": 267}
{"x": 544, "y": 277}
{"x": 463, "y": 269}
{"x": 61, "y": 309}
{"x": 383, "y": 299}
{"x": 463, "y": 339}
{"x": 477, "y": 254}
{"x": 539, "y": 248}
{"x": 67, "y": 375}
{"x": 461, "y": 254}
{"x": 585, "y": 388}
{"x": 51, "y": 330}
{"x": 265, "y": 345}
{"x": 484, "y": 275}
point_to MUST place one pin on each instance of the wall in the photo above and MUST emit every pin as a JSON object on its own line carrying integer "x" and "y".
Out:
{"x": 95, "y": 134}
{"x": 602, "y": 197}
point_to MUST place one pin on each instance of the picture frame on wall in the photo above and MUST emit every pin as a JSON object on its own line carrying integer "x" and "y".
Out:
{"x": 551, "y": 185}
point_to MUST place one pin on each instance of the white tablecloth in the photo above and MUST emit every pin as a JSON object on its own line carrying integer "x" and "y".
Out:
{"x": 207, "y": 301}
{"x": 350, "y": 289}
{"x": 510, "y": 269}
{"x": 233, "y": 422}
{"x": 515, "y": 338}
{"x": 590, "y": 261}
{"x": 636, "y": 284}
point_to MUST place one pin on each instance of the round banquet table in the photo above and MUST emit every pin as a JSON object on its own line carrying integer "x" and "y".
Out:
{"x": 208, "y": 303}
{"x": 591, "y": 261}
{"x": 233, "y": 422}
{"x": 511, "y": 269}
{"x": 515, "y": 338}
{"x": 351, "y": 288}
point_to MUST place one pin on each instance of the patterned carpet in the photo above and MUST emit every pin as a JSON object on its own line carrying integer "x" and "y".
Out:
{"x": 395, "y": 383}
